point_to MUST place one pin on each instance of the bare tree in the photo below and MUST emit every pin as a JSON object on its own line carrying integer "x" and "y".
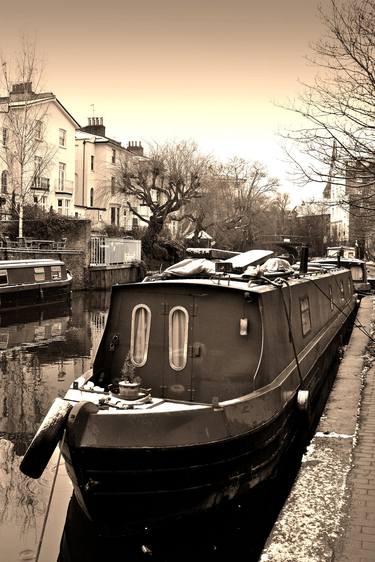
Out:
{"x": 24, "y": 152}
{"x": 173, "y": 174}
{"x": 248, "y": 195}
{"x": 338, "y": 106}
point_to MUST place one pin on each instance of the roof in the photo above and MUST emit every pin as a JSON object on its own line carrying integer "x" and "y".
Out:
{"x": 39, "y": 98}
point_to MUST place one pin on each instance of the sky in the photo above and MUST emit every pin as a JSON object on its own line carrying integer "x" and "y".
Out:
{"x": 213, "y": 71}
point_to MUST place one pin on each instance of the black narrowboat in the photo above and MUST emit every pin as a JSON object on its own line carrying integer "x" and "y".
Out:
{"x": 32, "y": 282}
{"x": 199, "y": 386}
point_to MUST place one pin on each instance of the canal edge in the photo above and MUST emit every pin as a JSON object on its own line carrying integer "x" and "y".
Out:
{"x": 316, "y": 520}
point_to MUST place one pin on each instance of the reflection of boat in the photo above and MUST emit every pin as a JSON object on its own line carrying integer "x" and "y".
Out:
{"x": 25, "y": 282}
{"x": 39, "y": 325}
{"x": 230, "y": 360}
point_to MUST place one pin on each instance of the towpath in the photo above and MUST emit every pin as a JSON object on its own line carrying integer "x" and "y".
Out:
{"x": 330, "y": 512}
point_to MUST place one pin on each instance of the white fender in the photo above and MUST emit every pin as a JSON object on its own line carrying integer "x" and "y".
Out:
{"x": 46, "y": 439}
{"x": 303, "y": 400}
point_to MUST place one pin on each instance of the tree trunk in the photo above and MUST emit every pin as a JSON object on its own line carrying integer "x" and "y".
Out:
{"x": 20, "y": 222}
{"x": 151, "y": 235}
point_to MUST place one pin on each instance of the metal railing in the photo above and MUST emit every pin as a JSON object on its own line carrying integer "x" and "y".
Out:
{"x": 114, "y": 251}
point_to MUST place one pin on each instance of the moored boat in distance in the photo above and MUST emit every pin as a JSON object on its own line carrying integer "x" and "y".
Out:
{"x": 356, "y": 266}
{"x": 202, "y": 381}
{"x": 33, "y": 281}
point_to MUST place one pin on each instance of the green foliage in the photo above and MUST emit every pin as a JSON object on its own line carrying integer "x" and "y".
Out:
{"x": 42, "y": 225}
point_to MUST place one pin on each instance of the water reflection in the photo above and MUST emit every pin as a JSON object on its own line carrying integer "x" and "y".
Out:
{"x": 42, "y": 350}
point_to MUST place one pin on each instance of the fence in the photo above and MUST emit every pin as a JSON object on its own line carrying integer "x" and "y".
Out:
{"x": 114, "y": 251}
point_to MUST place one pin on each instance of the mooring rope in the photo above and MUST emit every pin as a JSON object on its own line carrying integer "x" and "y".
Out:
{"x": 357, "y": 324}
{"x": 49, "y": 503}
{"x": 278, "y": 283}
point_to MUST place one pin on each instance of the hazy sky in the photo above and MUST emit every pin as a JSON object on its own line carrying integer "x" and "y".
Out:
{"x": 207, "y": 70}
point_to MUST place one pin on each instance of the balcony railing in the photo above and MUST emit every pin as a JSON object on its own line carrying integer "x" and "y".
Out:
{"x": 41, "y": 183}
{"x": 64, "y": 186}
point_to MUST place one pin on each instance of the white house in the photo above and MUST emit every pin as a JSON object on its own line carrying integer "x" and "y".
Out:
{"x": 45, "y": 171}
{"x": 98, "y": 159}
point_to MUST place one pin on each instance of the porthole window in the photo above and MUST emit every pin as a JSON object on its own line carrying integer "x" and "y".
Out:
{"x": 140, "y": 334}
{"x": 178, "y": 337}
{"x": 305, "y": 315}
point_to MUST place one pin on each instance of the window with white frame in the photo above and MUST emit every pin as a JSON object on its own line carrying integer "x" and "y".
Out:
{"x": 62, "y": 137}
{"x": 60, "y": 206}
{"x": 62, "y": 170}
{"x": 39, "y": 274}
{"x": 37, "y": 167}
{"x": 140, "y": 334}
{"x": 178, "y": 337}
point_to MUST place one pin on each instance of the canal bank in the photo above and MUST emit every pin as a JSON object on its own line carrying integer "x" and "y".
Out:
{"x": 330, "y": 511}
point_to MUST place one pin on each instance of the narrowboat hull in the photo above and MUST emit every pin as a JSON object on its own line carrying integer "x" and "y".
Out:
{"x": 125, "y": 490}
{"x": 171, "y": 459}
{"x": 21, "y": 287}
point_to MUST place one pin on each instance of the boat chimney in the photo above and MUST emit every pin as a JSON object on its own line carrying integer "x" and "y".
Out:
{"x": 304, "y": 259}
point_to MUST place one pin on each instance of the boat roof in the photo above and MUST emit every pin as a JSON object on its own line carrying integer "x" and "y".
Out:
{"x": 238, "y": 282}
{"x": 333, "y": 260}
{"x": 7, "y": 264}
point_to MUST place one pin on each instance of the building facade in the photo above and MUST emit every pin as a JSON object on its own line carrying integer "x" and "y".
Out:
{"x": 37, "y": 151}
{"x": 98, "y": 193}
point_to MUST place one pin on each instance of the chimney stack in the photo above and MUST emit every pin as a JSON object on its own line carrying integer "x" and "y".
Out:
{"x": 135, "y": 147}
{"x": 95, "y": 126}
{"x": 21, "y": 91}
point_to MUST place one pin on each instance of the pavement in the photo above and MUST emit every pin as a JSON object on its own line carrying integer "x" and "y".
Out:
{"x": 330, "y": 511}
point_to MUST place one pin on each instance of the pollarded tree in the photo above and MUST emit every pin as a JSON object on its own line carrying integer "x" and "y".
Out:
{"x": 173, "y": 174}
{"x": 24, "y": 154}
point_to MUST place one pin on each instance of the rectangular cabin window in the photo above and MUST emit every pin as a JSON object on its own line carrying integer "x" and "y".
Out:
{"x": 56, "y": 272}
{"x": 305, "y": 315}
{"x": 39, "y": 274}
{"x": 3, "y": 277}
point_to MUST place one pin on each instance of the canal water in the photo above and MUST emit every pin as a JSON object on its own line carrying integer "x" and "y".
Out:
{"x": 42, "y": 351}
